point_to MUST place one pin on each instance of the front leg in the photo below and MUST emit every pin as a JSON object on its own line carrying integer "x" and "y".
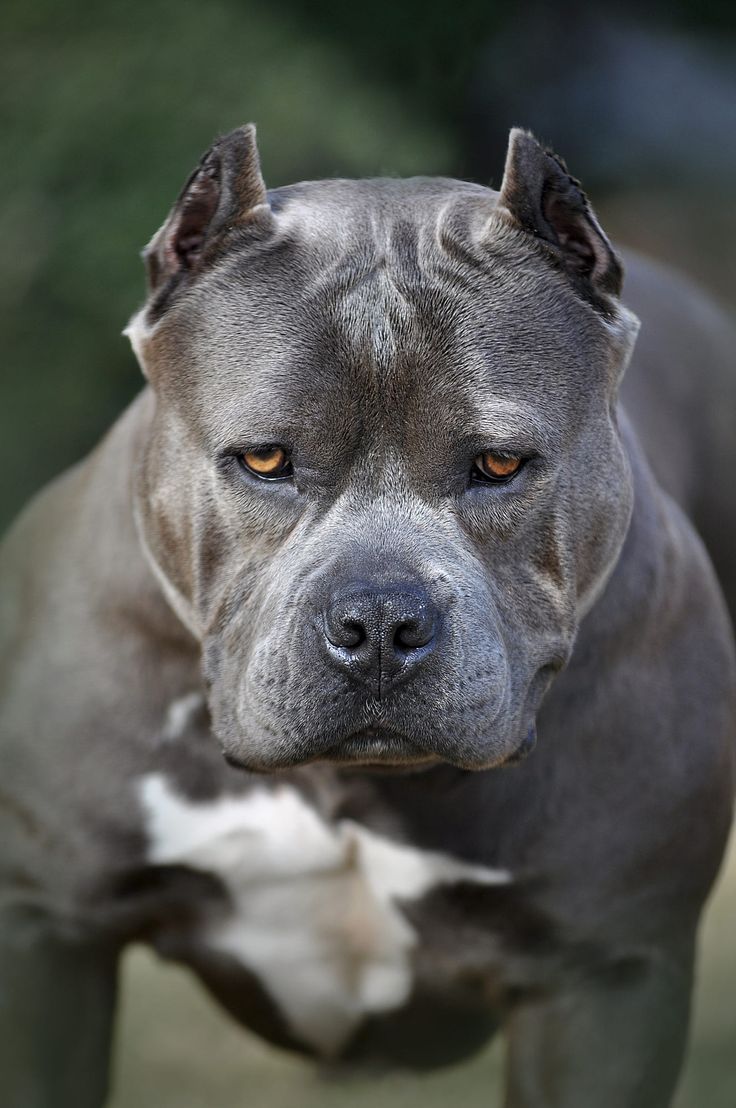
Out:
{"x": 56, "y": 1013}
{"x": 615, "y": 1040}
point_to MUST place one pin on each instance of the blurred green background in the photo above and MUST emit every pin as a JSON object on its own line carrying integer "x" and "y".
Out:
{"x": 107, "y": 105}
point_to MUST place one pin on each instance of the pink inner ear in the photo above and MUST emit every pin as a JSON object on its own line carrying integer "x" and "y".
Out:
{"x": 188, "y": 234}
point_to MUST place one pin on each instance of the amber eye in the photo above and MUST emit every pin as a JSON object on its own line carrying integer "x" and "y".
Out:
{"x": 496, "y": 467}
{"x": 270, "y": 462}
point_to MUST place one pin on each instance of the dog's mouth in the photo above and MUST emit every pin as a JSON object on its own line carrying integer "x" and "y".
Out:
{"x": 376, "y": 735}
{"x": 368, "y": 747}
{"x": 378, "y": 746}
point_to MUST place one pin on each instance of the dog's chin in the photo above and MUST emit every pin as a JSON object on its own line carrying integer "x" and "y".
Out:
{"x": 378, "y": 749}
{"x": 370, "y": 748}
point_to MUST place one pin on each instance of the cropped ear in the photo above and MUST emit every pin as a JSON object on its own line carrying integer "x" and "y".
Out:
{"x": 543, "y": 199}
{"x": 220, "y": 196}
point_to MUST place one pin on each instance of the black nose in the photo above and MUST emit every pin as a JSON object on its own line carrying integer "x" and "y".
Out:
{"x": 380, "y": 635}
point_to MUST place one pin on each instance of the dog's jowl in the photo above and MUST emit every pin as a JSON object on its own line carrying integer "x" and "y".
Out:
{"x": 371, "y": 666}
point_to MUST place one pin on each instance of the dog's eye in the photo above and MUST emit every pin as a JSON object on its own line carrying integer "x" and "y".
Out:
{"x": 491, "y": 466}
{"x": 271, "y": 462}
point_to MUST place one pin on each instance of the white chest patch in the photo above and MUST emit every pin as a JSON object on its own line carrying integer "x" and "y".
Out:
{"x": 314, "y": 904}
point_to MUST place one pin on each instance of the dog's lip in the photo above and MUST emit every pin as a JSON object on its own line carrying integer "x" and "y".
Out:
{"x": 524, "y": 749}
{"x": 367, "y": 747}
{"x": 377, "y": 746}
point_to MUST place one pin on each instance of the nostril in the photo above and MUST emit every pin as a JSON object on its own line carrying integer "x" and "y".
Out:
{"x": 352, "y": 634}
{"x": 344, "y": 632}
{"x": 412, "y": 634}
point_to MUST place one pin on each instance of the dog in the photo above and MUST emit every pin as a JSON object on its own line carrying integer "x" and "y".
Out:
{"x": 366, "y": 667}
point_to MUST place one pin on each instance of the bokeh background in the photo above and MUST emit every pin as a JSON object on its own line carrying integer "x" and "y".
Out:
{"x": 106, "y": 106}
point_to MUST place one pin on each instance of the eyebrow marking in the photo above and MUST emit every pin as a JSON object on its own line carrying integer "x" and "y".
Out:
{"x": 508, "y": 423}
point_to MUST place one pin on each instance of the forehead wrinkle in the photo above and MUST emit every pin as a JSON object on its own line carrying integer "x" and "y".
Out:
{"x": 374, "y": 318}
{"x": 395, "y": 311}
{"x": 389, "y": 253}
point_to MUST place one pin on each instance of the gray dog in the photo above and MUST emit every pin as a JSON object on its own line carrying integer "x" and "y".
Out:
{"x": 376, "y": 521}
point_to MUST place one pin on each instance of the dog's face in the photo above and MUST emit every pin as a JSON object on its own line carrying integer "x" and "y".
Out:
{"x": 384, "y": 479}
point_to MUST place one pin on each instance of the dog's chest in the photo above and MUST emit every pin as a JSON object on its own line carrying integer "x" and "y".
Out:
{"x": 314, "y": 909}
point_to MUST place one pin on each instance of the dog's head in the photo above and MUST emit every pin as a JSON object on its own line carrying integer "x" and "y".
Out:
{"x": 384, "y": 479}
